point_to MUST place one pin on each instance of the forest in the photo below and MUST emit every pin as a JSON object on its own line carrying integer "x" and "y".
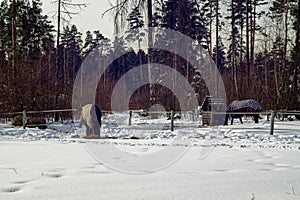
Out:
{"x": 255, "y": 45}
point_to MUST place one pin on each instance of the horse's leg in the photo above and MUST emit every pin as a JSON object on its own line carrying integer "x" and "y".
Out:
{"x": 256, "y": 118}
{"x": 96, "y": 129}
{"x": 232, "y": 118}
{"x": 81, "y": 121}
{"x": 92, "y": 131}
{"x": 87, "y": 131}
{"x": 241, "y": 120}
{"x": 226, "y": 119}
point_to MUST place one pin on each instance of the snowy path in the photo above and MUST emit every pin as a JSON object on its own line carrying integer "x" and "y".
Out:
{"x": 52, "y": 170}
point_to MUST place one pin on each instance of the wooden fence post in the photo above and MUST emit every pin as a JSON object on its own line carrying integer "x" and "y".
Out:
{"x": 24, "y": 119}
{"x": 130, "y": 116}
{"x": 172, "y": 120}
{"x": 272, "y": 122}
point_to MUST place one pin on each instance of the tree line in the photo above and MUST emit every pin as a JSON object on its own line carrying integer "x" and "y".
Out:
{"x": 254, "y": 43}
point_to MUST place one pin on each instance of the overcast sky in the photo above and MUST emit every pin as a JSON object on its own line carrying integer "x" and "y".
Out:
{"x": 88, "y": 19}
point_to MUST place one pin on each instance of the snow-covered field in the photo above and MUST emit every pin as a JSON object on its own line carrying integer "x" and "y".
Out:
{"x": 148, "y": 161}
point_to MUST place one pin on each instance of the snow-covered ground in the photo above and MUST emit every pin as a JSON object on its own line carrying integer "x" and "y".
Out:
{"x": 148, "y": 161}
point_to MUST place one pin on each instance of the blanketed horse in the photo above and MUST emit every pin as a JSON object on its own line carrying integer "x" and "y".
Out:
{"x": 247, "y": 106}
{"x": 91, "y": 118}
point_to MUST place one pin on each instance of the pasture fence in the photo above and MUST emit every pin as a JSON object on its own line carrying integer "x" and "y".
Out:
{"x": 194, "y": 115}
{"x": 49, "y": 114}
{"x": 271, "y": 115}
{"x": 65, "y": 114}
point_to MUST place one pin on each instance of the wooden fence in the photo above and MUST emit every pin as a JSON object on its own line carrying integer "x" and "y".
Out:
{"x": 270, "y": 115}
{"x": 43, "y": 113}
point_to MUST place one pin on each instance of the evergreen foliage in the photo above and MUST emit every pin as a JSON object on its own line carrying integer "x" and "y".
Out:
{"x": 258, "y": 52}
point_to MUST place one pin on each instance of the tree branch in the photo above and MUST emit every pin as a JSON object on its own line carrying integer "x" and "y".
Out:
{"x": 121, "y": 10}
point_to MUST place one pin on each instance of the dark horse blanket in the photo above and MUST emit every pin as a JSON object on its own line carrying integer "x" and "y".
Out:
{"x": 248, "y": 105}
{"x": 91, "y": 118}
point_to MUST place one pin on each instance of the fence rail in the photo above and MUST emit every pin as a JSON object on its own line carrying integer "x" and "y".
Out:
{"x": 42, "y": 111}
{"x": 25, "y": 113}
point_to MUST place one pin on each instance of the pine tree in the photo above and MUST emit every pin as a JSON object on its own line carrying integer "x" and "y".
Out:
{"x": 72, "y": 43}
{"x": 5, "y": 38}
{"x": 236, "y": 49}
{"x": 280, "y": 13}
{"x": 295, "y": 91}
{"x": 91, "y": 41}
{"x": 32, "y": 32}
{"x": 220, "y": 56}
{"x": 88, "y": 44}
{"x": 255, "y": 26}
{"x": 210, "y": 15}
{"x": 135, "y": 23}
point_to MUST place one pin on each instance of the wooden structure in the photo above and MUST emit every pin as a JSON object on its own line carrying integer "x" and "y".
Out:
{"x": 209, "y": 106}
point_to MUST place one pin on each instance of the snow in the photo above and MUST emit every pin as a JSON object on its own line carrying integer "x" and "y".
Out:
{"x": 148, "y": 161}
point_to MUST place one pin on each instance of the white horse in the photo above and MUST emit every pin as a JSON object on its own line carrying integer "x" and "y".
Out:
{"x": 91, "y": 118}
